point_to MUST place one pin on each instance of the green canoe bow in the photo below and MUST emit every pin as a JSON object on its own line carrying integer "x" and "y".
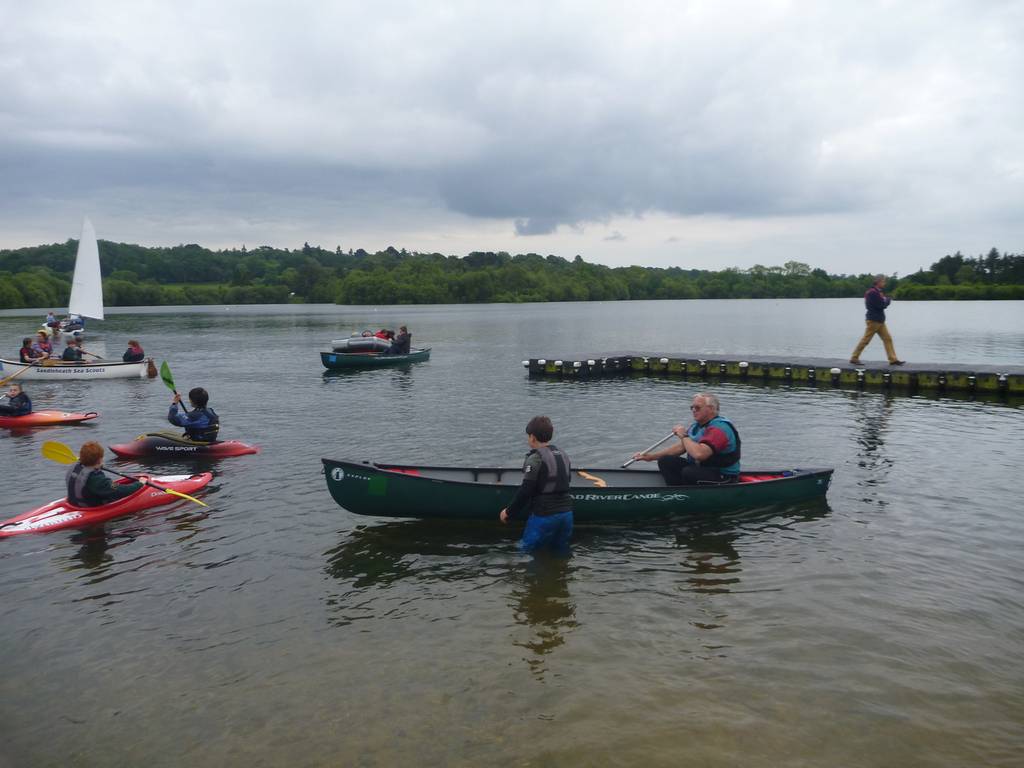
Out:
{"x": 628, "y": 495}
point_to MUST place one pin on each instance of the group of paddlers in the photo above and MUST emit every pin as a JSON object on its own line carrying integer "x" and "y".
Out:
{"x": 35, "y": 351}
{"x": 70, "y": 323}
{"x": 400, "y": 342}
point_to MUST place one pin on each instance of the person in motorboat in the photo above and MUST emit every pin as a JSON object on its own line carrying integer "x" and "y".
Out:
{"x": 401, "y": 343}
{"x": 18, "y": 403}
{"x": 73, "y": 351}
{"x": 42, "y": 345}
{"x": 29, "y": 353}
{"x": 134, "y": 353}
{"x": 201, "y": 423}
{"x": 544, "y": 492}
{"x": 88, "y": 486}
{"x": 708, "y": 450}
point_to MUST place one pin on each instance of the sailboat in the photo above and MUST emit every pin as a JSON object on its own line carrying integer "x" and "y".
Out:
{"x": 86, "y": 301}
{"x": 86, "y": 285}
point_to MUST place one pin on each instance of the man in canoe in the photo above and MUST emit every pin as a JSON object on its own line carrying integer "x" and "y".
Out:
{"x": 544, "y": 493}
{"x": 88, "y": 486}
{"x": 17, "y": 403}
{"x": 201, "y": 423}
{"x": 708, "y": 450}
{"x": 401, "y": 343}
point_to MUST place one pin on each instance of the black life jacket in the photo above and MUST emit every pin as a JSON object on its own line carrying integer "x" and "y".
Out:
{"x": 557, "y": 465}
{"x": 77, "y": 477}
{"x": 208, "y": 433}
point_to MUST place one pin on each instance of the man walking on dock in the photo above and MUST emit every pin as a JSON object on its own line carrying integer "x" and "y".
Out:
{"x": 875, "y": 301}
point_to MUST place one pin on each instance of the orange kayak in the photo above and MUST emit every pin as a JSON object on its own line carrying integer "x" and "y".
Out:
{"x": 45, "y": 418}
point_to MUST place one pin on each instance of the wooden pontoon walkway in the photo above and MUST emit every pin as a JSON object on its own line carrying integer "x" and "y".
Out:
{"x": 1007, "y": 379}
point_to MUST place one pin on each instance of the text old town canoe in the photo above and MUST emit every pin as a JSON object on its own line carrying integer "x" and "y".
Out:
{"x": 599, "y": 495}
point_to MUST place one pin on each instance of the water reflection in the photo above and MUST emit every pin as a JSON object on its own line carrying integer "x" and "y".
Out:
{"x": 381, "y": 555}
{"x": 872, "y": 413}
{"x": 710, "y": 559}
{"x": 541, "y": 603}
{"x": 399, "y": 375}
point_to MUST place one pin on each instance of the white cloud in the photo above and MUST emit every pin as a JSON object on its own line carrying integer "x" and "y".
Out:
{"x": 716, "y": 134}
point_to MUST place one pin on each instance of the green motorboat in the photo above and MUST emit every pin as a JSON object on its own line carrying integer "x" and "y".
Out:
{"x": 341, "y": 360}
{"x": 599, "y": 495}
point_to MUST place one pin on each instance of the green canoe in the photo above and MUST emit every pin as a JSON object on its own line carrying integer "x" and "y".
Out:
{"x": 337, "y": 360}
{"x": 599, "y": 495}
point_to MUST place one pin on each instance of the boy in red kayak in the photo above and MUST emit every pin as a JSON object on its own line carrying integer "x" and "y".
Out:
{"x": 88, "y": 486}
{"x": 17, "y": 403}
{"x": 201, "y": 423}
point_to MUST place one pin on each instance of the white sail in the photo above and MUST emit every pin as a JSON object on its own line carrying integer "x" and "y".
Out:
{"x": 87, "y": 285}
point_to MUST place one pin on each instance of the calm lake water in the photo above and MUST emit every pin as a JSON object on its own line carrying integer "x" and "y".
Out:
{"x": 884, "y": 627}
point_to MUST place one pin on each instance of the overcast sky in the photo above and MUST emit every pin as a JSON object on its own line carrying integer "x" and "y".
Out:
{"x": 858, "y": 137}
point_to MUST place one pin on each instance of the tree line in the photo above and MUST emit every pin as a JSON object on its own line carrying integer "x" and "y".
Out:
{"x": 134, "y": 275}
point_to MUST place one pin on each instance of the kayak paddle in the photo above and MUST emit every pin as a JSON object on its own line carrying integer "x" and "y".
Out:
{"x": 667, "y": 437}
{"x": 168, "y": 379}
{"x": 60, "y": 453}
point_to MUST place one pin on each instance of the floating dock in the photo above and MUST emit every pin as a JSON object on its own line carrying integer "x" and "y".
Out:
{"x": 992, "y": 379}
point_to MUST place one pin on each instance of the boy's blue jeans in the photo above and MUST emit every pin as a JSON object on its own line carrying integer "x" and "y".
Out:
{"x": 551, "y": 532}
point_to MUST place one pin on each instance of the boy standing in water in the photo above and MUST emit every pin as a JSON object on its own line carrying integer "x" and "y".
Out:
{"x": 544, "y": 493}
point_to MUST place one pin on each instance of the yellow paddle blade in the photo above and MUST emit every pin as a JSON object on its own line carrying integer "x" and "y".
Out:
{"x": 58, "y": 452}
{"x": 599, "y": 482}
{"x": 183, "y": 495}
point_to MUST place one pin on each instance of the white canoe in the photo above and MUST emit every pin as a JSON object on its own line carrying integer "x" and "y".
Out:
{"x": 57, "y": 370}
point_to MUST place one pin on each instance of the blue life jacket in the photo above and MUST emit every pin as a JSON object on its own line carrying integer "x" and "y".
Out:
{"x": 727, "y": 462}
{"x": 200, "y": 424}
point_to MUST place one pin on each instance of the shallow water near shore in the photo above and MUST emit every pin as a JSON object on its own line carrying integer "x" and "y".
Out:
{"x": 883, "y": 626}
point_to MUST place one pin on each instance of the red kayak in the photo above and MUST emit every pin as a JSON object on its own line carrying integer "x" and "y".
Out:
{"x": 58, "y": 515}
{"x": 164, "y": 445}
{"x": 45, "y": 418}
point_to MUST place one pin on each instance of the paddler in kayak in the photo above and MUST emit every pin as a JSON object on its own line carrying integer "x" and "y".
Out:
{"x": 201, "y": 423}
{"x": 544, "y": 492}
{"x": 88, "y": 486}
{"x": 18, "y": 403}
